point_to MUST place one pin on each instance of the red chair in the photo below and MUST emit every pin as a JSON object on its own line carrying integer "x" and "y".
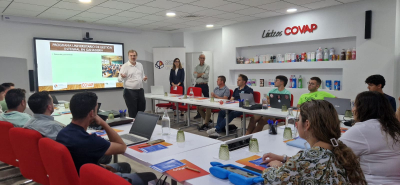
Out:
{"x": 93, "y": 174}
{"x": 7, "y": 154}
{"x": 291, "y": 100}
{"x": 25, "y": 144}
{"x": 58, "y": 163}
{"x": 179, "y": 90}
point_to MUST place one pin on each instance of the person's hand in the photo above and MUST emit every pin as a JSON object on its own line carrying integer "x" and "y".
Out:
{"x": 232, "y": 98}
{"x": 199, "y": 75}
{"x": 275, "y": 164}
{"x": 99, "y": 121}
{"x": 212, "y": 94}
{"x": 123, "y": 75}
{"x": 195, "y": 73}
{"x": 268, "y": 157}
{"x": 399, "y": 98}
{"x": 145, "y": 78}
{"x": 109, "y": 168}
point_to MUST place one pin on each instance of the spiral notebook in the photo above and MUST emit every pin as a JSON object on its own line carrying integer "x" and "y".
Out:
{"x": 167, "y": 165}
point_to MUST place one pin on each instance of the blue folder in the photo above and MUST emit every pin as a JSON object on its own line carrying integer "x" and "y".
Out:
{"x": 167, "y": 165}
{"x": 258, "y": 162}
{"x": 153, "y": 148}
{"x": 298, "y": 143}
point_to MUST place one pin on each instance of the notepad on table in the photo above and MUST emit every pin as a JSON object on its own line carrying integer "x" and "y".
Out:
{"x": 181, "y": 174}
{"x": 298, "y": 143}
{"x": 153, "y": 148}
{"x": 167, "y": 165}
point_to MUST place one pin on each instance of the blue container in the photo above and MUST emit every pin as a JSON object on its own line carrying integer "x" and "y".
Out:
{"x": 328, "y": 84}
{"x": 336, "y": 85}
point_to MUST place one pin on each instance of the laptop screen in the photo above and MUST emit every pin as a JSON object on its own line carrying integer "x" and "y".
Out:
{"x": 144, "y": 124}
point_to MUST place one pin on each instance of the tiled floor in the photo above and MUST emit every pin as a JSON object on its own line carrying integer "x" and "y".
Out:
{"x": 136, "y": 167}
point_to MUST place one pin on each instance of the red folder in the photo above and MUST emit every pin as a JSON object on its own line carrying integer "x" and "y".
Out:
{"x": 181, "y": 174}
{"x": 136, "y": 147}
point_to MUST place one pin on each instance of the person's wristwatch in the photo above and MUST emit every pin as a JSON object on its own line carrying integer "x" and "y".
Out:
{"x": 284, "y": 158}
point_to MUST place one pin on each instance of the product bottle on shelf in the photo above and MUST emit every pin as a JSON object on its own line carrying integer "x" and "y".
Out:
{"x": 348, "y": 54}
{"x": 294, "y": 85}
{"x": 300, "y": 83}
{"x": 326, "y": 54}
{"x": 353, "y": 54}
{"x": 343, "y": 55}
{"x": 331, "y": 54}
{"x": 291, "y": 81}
{"x": 319, "y": 54}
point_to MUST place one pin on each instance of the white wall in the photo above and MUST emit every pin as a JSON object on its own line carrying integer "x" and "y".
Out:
{"x": 374, "y": 56}
{"x": 17, "y": 41}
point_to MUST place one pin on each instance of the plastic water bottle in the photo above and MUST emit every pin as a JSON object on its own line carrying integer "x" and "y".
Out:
{"x": 191, "y": 95}
{"x": 165, "y": 124}
{"x": 353, "y": 54}
{"x": 326, "y": 54}
{"x": 300, "y": 83}
{"x": 291, "y": 81}
{"x": 294, "y": 85}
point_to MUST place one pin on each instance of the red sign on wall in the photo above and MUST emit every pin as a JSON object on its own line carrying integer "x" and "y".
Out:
{"x": 290, "y": 31}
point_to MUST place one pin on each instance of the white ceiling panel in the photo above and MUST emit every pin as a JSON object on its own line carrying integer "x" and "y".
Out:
{"x": 93, "y": 3}
{"x": 226, "y": 22}
{"x": 146, "y": 9}
{"x": 209, "y": 12}
{"x": 256, "y": 2}
{"x": 267, "y": 14}
{"x": 109, "y": 22}
{"x": 4, "y": 4}
{"x": 118, "y": 18}
{"x": 47, "y": 3}
{"x": 228, "y": 15}
{"x": 47, "y": 15}
{"x": 194, "y": 23}
{"x": 189, "y": 8}
{"x": 154, "y": 17}
{"x": 184, "y": 1}
{"x": 56, "y": 11}
{"x": 347, "y": 1}
{"x": 165, "y": 4}
{"x": 118, "y": 5}
{"x": 92, "y": 15}
{"x": 210, "y": 3}
{"x": 28, "y": 13}
{"x": 277, "y": 5}
{"x": 299, "y": 9}
{"x": 138, "y": 2}
{"x": 86, "y": 19}
{"x": 245, "y": 18}
{"x": 301, "y": 2}
{"x": 102, "y": 10}
{"x": 30, "y": 7}
{"x": 140, "y": 21}
{"x": 231, "y": 7}
{"x": 131, "y": 14}
{"x": 322, "y": 4}
{"x": 210, "y": 20}
{"x": 73, "y": 6}
{"x": 251, "y": 11}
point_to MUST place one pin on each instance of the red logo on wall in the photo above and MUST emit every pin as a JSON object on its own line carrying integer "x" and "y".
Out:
{"x": 296, "y": 29}
{"x": 85, "y": 85}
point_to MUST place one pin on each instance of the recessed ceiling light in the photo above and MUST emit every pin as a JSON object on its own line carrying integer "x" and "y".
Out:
{"x": 291, "y": 10}
{"x": 209, "y": 26}
{"x": 85, "y": 1}
{"x": 171, "y": 14}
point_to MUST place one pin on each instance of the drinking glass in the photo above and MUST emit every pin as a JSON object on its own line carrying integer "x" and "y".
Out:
{"x": 253, "y": 146}
{"x": 224, "y": 152}
{"x": 66, "y": 105}
{"x": 180, "y": 137}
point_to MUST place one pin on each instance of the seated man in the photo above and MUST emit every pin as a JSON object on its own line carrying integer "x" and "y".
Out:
{"x": 314, "y": 94}
{"x": 376, "y": 83}
{"x": 15, "y": 99}
{"x": 2, "y": 96}
{"x": 89, "y": 148}
{"x": 41, "y": 104}
{"x": 280, "y": 83}
{"x": 221, "y": 122}
{"x": 3, "y": 103}
{"x": 220, "y": 92}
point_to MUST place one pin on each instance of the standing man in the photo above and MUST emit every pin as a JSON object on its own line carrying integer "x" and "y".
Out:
{"x": 201, "y": 74}
{"x": 132, "y": 75}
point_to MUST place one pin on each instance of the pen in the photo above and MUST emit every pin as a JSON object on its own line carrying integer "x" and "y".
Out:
{"x": 189, "y": 168}
{"x": 144, "y": 146}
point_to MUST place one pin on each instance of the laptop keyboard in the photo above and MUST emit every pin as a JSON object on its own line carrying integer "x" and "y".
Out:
{"x": 132, "y": 138}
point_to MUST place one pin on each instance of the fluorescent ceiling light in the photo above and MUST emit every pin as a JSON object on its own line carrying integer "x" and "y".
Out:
{"x": 171, "y": 14}
{"x": 209, "y": 26}
{"x": 85, "y": 1}
{"x": 291, "y": 10}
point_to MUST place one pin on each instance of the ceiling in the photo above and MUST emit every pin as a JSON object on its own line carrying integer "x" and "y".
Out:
{"x": 191, "y": 15}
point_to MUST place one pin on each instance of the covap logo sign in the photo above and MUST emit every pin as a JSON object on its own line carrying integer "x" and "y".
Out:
{"x": 159, "y": 64}
{"x": 86, "y": 85}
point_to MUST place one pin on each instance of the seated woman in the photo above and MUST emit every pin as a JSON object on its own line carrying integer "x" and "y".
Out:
{"x": 375, "y": 137}
{"x": 398, "y": 112}
{"x": 328, "y": 161}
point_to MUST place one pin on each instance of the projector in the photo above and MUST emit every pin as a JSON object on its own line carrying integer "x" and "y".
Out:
{"x": 87, "y": 37}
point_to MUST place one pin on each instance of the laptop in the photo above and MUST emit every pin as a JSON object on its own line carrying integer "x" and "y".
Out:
{"x": 157, "y": 90}
{"x": 340, "y": 104}
{"x": 142, "y": 129}
{"x": 55, "y": 101}
{"x": 277, "y": 100}
{"x": 250, "y": 97}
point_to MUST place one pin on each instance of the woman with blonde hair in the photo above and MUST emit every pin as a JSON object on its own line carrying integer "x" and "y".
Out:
{"x": 328, "y": 161}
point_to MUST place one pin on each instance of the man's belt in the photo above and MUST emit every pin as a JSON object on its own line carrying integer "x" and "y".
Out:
{"x": 202, "y": 83}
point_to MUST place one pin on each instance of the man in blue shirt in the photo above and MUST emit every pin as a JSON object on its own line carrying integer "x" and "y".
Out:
{"x": 376, "y": 83}
{"x": 89, "y": 148}
{"x": 221, "y": 122}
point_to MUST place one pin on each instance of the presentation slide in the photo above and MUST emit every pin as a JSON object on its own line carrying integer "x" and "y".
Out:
{"x": 74, "y": 65}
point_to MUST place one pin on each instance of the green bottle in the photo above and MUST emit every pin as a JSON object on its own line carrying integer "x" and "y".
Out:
{"x": 300, "y": 83}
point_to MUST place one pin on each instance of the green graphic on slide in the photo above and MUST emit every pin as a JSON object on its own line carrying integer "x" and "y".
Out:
{"x": 77, "y": 67}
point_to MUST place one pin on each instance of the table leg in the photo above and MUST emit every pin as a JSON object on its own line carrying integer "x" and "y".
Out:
{"x": 115, "y": 158}
{"x": 188, "y": 115}
{"x": 227, "y": 122}
{"x": 153, "y": 108}
{"x": 177, "y": 112}
{"x": 244, "y": 124}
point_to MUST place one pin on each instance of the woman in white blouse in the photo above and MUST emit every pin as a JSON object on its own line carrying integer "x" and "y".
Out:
{"x": 375, "y": 138}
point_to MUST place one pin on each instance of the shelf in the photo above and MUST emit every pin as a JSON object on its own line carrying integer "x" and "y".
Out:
{"x": 293, "y": 65}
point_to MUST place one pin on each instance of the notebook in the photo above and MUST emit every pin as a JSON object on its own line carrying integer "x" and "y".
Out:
{"x": 181, "y": 174}
{"x": 167, "y": 165}
{"x": 298, "y": 143}
{"x": 153, "y": 148}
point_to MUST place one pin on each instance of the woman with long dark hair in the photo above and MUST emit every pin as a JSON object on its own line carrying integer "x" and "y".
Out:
{"x": 177, "y": 76}
{"x": 375, "y": 138}
{"x": 328, "y": 161}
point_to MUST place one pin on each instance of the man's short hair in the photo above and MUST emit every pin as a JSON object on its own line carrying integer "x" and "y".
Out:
{"x": 316, "y": 79}
{"x": 14, "y": 98}
{"x": 132, "y": 51}
{"x": 376, "y": 80}
{"x": 203, "y": 55}
{"x": 2, "y": 88}
{"x": 222, "y": 77}
{"x": 82, "y": 103}
{"x": 7, "y": 85}
{"x": 39, "y": 101}
{"x": 282, "y": 78}
{"x": 244, "y": 77}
